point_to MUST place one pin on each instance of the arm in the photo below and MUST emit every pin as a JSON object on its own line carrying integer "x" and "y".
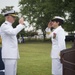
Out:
{"x": 13, "y": 31}
{"x": 48, "y": 30}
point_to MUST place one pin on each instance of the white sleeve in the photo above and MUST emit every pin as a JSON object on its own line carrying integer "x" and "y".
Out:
{"x": 48, "y": 32}
{"x": 12, "y": 31}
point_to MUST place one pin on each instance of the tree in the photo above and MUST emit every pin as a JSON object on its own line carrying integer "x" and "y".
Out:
{"x": 1, "y": 19}
{"x": 7, "y": 8}
{"x": 69, "y": 7}
{"x": 41, "y": 11}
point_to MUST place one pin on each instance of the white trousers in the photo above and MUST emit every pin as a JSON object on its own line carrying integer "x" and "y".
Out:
{"x": 56, "y": 66}
{"x": 10, "y": 66}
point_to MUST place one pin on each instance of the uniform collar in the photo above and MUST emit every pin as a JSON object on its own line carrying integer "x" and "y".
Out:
{"x": 8, "y": 22}
{"x": 58, "y": 27}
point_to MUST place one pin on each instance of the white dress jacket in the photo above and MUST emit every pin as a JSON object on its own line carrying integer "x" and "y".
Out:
{"x": 9, "y": 40}
{"x": 58, "y": 41}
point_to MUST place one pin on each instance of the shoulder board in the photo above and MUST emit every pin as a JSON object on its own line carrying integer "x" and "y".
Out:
{"x": 5, "y": 23}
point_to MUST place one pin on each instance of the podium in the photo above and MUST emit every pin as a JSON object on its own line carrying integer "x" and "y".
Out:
{"x": 68, "y": 60}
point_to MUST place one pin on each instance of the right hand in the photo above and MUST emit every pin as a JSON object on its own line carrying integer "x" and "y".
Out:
{"x": 49, "y": 25}
{"x": 21, "y": 20}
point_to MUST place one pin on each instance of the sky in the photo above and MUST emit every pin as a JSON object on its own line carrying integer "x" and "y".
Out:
{"x": 4, "y": 3}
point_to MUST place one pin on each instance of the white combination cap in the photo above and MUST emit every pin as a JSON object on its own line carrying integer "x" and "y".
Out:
{"x": 58, "y": 17}
{"x": 9, "y": 12}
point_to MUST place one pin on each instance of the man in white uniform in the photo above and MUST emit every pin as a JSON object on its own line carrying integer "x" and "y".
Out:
{"x": 10, "y": 52}
{"x": 58, "y": 43}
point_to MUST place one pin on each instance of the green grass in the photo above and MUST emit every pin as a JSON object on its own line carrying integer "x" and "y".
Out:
{"x": 35, "y": 59}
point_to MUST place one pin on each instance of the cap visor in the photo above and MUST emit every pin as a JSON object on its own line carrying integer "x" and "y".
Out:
{"x": 14, "y": 15}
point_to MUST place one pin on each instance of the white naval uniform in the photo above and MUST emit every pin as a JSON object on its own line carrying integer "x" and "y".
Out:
{"x": 10, "y": 52}
{"x": 58, "y": 44}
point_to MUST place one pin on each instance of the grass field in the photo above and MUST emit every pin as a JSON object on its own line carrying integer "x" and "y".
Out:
{"x": 35, "y": 59}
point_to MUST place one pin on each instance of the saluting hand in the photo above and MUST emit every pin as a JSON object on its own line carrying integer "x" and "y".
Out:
{"x": 49, "y": 25}
{"x": 21, "y": 20}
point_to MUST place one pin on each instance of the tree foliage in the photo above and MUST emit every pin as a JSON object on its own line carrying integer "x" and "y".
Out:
{"x": 41, "y": 11}
{"x": 7, "y": 8}
{"x": 1, "y": 19}
{"x": 70, "y": 8}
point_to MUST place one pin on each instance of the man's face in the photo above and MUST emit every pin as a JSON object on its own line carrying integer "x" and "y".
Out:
{"x": 55, "y": 24}
{"x": 11, "y": 19}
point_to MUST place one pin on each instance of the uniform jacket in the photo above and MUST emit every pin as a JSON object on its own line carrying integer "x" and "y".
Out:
{"x": 58, "y": 41}
{"x": 9, "y": 40}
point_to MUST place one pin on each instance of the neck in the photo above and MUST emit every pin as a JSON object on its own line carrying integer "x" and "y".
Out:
{"x": 56, "y": 26}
